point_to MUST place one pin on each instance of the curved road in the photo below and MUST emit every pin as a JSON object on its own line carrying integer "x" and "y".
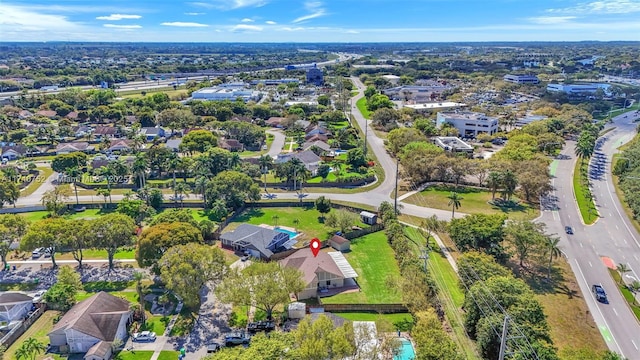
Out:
{"x": 611, "y": 239}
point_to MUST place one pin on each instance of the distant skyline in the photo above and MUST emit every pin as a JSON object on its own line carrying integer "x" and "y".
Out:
{"x": 319, "y": 21}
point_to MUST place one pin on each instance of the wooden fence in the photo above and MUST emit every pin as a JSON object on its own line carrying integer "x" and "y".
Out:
{"x": 372, "y": 308}
{"x": 17, "y": 331}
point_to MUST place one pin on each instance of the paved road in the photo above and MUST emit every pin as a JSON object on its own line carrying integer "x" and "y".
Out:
{"x": 612, "y": 236}
{"x": 278, "y": 142}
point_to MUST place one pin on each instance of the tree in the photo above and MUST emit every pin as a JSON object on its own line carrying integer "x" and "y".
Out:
{"x": 266, "y": 162}
{"x": 139, "y": 168}
{"x": 157, "y": 239}
{"x": 63, "y": 292}
{"x": 198, "y": 141}
{"x": 185, "y": 269}
{"x": 432, "y": 342}
{"x": 54, "y": 200}
{"x": 63, "y": 162}
{"x": 138, "y": 276}
{"x": 320, "y": 340}
{"x": 135, "y": 209}
{"x": 74, "y": 173}
{"x": 553, "y": 250}
{"x": 474, "y": 266}
{"x": 113, "y": 231}
{"x": 479, "y": 232}
{"x": 454, "y": 202}
{"x": 323, "y": 205}
{"x": 341, "y": 219}
{"x": 622, "y": 269}
{"x": 48, "y": 234}
{"x": 78, "y": 237}
{"x": 356, "y": 158}
{"x": 174, "y": 215}
{"x": 509, "y": 182}
{"x": 30, "y": 349}
{"x": 323, "y": 170}
{"x": 234, "y": 188}
{"x": 525, "y": 237}
{"x": 200, "y": 187}
{"x": 263, "y": 285}
{"x": 493, "y": 182}
{"x": 433, "y": 225}
{"x": 397, "y": 139}
{"x": 12, "y": 227}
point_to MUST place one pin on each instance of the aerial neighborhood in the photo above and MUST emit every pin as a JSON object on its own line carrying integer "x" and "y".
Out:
{"x": 331, "y": 201}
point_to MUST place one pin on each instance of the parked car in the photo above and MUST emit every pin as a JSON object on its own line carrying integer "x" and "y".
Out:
{"x": 599, "y": 293}
{"x": 568, "y": 230}
{"x": 261, "y": 326}
{"x": 37, "y": 297}
{"x": 144, "y": 336}
{"x": 213, "y": 347}
{"x": 35, "y": 254}
{"x": 236, "y": 338}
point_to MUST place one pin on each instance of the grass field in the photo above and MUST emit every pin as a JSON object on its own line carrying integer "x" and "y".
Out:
{"x": 130, "y": 296}
{"x": 372, "y": 258}
{"x": 587, "y": 207}
{"x": 156, "y": 323}
{"x": 44, "y": 173}
{"x": 362, "y": 107}
{"x": 473, "y": 202}
{"x": 394, "y": 319}
{"x": 168, "y": 355}
{"x": 38, "y": 330}
{"x": 135, "y": 355}
{"x": 87, "y": 214}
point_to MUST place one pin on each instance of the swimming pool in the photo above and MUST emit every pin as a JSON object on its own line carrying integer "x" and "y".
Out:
{"x": 292, "y": 234}
{"x": 406, "y": 351}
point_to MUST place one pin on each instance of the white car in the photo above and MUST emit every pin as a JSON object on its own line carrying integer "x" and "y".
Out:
{"x": 144, "y": 336}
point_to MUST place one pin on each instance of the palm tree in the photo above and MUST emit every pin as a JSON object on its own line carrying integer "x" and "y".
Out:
{"x": 181, "y": 189}
{"x": 622, "y": 269}
{"x": 265, "y": 162}
{"x": 201, "y": 185}
{"x": 635, "y": 287}
{"x": 73, "y": 173}
{"x": 554, "y": 252}
{"x": 174, "y": 165}
{"x": 296, "y": 222}
{"x": 106, "y": 193}
{"x": 509, "y": 183}
{"x": 275, "y": 220}
{"x": 493, "y": 182}
{"x": 30, "y": 349}
{"x": 108, "y": 173}
{"x": 139, "y": 168}
{"x": 138, "y": 277}
{"x": 454, "y": 202}
{"x": 234, "y": 160}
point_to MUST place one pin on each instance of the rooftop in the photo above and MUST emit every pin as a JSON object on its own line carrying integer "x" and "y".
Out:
{"x": 432, "y": 106}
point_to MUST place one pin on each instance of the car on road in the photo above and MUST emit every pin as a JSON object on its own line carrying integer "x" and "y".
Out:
{"x": 144, "y": 336}
{"x": 37, "y": 253}
{"x": 261, "y": 326}
{"x": 599, "y": 293}
{"x": 236, "y": 338}
{"x": 213, "y": 347}
{"x": 568, "y": 230}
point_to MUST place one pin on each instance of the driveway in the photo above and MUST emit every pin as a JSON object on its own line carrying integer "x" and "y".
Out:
{"x": 278, "y": 142}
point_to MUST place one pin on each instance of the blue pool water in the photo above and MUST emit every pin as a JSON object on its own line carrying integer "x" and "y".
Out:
{"x": 406, "y": 351}
{"x": 292, "y": 234}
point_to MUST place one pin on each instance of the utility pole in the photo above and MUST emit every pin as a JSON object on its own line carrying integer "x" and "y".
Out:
{"x": 503, "y": 341}
{"x": 395, "y": 202}
{"x": 294, "y": 178}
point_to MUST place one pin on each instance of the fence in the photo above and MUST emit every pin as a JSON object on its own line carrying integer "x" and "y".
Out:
{"x": 357, "y": 233}
{"x": 373, "y": 308}
{"x": 17, "y": 331}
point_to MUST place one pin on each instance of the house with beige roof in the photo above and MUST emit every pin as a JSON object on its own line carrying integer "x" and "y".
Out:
{"x": 92, "y": 325}
{"x": 325, "y": 274}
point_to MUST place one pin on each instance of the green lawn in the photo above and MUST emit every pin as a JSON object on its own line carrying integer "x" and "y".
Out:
{"x": 130, "y": 296}
{"x": 44, "y": 173}
{"x": 362, "y": 106}
{"x": 134, "y": 355}
{"x": 391, "y": 318}
{"x": 87, "y": 214}
{"x": 121, "y": 254}
{"x": 156, "y": 323}
{"x": 332, "y": 177}
{"x": 473, "y": 202}
{"x": 587, "y": 207}
{"x": 372, "y": 258}
{"x": 39, "y": 331}
{"x": 169, "y": 355}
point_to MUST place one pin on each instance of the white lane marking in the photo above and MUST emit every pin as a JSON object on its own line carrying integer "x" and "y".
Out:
{"x": 611, "y": 215}
{"x": 590, "y": 264}
{"x": 617, "y": 227}
{"x": 634, "y": 345}
{"x": 620, "y": 214}
{"x": 599, "y": 311}
{"x": 582, "y": 246}
{"x": 614, "y": 310}
{"x": 625, "y": 241}
{"x": 636, "y": 257}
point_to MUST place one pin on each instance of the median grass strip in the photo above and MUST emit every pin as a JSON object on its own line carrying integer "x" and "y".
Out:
{"x": 626, "y": 293}
{"x": 583, "y": 195}
{"x": 372, "y": 258}
{"x": 362, "y": 107}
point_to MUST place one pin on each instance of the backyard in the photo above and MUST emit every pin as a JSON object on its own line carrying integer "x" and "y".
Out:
{"x": 38, "y": 330}
{"x": 373, "y": 260}
{"x": 473, "y": 201}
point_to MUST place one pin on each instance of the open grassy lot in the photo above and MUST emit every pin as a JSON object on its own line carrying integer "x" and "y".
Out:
{"x": 372, "y": 259}
{"x": 168, "y": 355}
{"x": 362, "y": 107}
{"x": 582, "y": 192}
{"x": 332, "y": 177}
{"x": 38, "y": 330}
{"x": 473, "y": 201}
{"x": 44, "y": 173}
{"x": 135, "y": 355}
{"x": 87, "y": 214}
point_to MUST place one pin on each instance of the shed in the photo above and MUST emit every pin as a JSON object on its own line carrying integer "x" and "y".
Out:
{"x": 339, "y": 243}
{"x": 297, "y": 310}
{"x": 368, "y": 218}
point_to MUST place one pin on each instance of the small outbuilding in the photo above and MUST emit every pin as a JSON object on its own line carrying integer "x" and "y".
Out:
{"x": 368, "y": 218}
{"x": 297, "y": 310}
{"x": 339, "y": 243}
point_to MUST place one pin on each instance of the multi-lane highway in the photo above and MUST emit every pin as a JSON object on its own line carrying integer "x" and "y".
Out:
{"x": 611, "y": 240}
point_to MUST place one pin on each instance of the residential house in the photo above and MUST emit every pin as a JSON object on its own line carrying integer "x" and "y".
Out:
{"x": 174, "y": 144}
{"x": 121, "y": 145}
{"x": 260, "y": 242}
{"x": 14, "y": 306}
{"x": 81, "y": 131}
{"x": 310, "y": 160}
{"x": 25, "y": 114}
{"x": 340, "y": 243}
{"x": 100, "y": 351}
{"x": 319, "y": 144}
{"x": 368, "y": 218}
{"x": 327, "y": 270}
{"x": 101, "y": 132}
{"x": 14, "y": 151}
{"x": 230, "y": 144}
{"x": 318, "y": 137}
{"x": 72, "y": 115}
{"x": 151, "y": 133}
{"x": 102, "y": 318}
{"x": 82, "y": 146}
{"x": 275, "y": 121}
{"x": 317, "y": 130}
{"x": 47, "y": 113}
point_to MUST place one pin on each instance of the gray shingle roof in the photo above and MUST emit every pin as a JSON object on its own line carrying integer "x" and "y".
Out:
{"x": 257, "y": 236}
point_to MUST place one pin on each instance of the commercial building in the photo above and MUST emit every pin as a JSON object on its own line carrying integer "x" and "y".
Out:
{"x": 417, "y": 93}
{"x": 274, "y": 82}
{"x": 453, "y": 144}
{"x": 315, "y": 76}
{"x": 231, "y": 91}
{"x": 521, "y": 79}
{"x": 434, "y": 106}
{"x": 468, "y": 124}
{"x": 580, "y": 89}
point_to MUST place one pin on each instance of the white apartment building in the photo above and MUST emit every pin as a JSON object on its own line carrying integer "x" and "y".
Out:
{"x": 468, "y": 124}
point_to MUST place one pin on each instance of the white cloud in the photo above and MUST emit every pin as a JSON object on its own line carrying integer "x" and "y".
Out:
{"x": 229, "y": 4}
{"x": 246, "y": 20}
{"x": 352, "y": 32}
{"x": 22, "y": 19}
{"x": 194, "y": 13}
{"x": 184, "y": 24}
{"x": 601, "y": 7}
{"x": 315, "y": 10}
{"x": 245, "y": 27}
{"x": 551, "y": 19}
{"x": 116, "y": 17}
{"x": 114, "y": 26}
{"x": 270, "y": 22}
{"x": 287, "y": 28}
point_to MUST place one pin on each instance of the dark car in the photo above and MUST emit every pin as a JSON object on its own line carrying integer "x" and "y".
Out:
{"x": 568, "y": 230}
{"x": 261, "y": 326}
{"x": 598, "y": 292}
{"x": 213, "y": 347}
{"x": 236, "y": 338}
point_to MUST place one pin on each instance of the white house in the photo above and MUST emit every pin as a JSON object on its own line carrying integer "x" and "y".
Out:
{"x": 101, "y": 318}
{"x": 14, "y": 306}
{"x": 468, "y": 124}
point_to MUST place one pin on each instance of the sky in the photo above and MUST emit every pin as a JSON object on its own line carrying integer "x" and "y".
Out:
{"x": 319, "y": 21}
